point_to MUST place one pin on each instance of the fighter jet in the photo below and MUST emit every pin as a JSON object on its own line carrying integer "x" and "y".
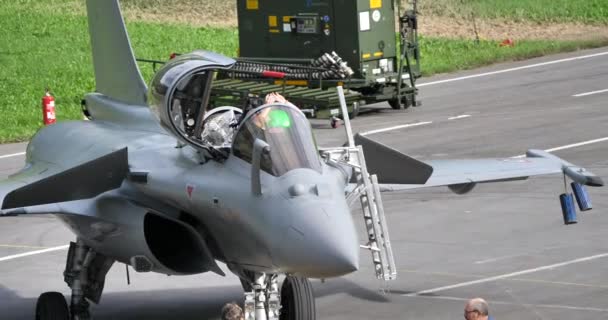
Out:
{"x": 158, "y": 181}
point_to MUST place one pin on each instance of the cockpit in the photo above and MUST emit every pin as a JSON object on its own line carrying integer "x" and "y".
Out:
{"x": 286, "y": 131}
{"x": 179, "y": 95}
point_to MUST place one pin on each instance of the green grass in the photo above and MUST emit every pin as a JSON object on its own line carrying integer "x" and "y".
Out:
{"x": 55, "y": 52}
{"x": 440, "y": 55}
{"x": 585, "y": 11}
{"x": 38, "y": 49}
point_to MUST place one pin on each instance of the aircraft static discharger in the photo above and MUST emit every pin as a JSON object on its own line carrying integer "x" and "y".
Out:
{"x": 156, "y": 182}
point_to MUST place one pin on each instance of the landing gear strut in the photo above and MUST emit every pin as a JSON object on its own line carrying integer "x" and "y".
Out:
{"x": 76, "y": 276}
{"x": 85, "y": 274}
{"x": 264, "y": 301}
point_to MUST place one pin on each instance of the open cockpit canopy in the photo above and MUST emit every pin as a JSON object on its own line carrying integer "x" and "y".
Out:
{"x": 180, "y": 91}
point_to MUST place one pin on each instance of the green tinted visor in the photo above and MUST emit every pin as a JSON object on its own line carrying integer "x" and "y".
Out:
{"x": 278, "y": 118}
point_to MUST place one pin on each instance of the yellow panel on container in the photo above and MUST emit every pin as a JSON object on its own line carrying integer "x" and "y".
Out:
{"x": 287, "y": 19}
{"x": 274, "y": 31}
{"x": 272, "y": 21}
{"x": 253, "y": 5}
{"x": 291, "y": 82}
{"x": 375, "y": 4}
{"x": 366, "y": 55}
{"x": 378, "y": 54}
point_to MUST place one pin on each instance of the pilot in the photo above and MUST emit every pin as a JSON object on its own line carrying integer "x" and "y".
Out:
{"x": 232, "y": 311}
{"x": 477, "y": 309}
{"x": 270, "y": 98}
{"x": 272, "y": 125}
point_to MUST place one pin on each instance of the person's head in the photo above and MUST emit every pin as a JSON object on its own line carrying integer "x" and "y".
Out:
{"x": 232, "y": 311}
{"x": 274, "y": 97}
{"x": 476, "y": 309}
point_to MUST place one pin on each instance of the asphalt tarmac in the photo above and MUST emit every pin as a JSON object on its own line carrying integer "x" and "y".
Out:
{"x": 505, "y": 242}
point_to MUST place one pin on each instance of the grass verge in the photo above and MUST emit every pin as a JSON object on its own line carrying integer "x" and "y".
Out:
{"x": 55, "y": 52}
{"x": 441, "y": 55}
{"x": 583, "y": 11}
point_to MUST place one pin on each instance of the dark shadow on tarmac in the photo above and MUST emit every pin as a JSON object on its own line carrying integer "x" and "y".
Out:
{"x": 336, "y": 286}
{"x": 174, "y": 304}
{"x": 405, "y": 292}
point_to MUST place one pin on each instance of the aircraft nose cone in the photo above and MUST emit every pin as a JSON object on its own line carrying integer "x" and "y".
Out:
{"x": 338, "y": 259}
{"x": 322, "y": 246}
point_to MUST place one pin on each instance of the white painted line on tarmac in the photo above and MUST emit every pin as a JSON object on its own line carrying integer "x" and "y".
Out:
{"x": 12, "y": 155}
{"x": 527, "y": 305}
{"x": 17, "y": 246}
{"x": 569, "y": 146}
{"x": 488, "y": 260}
{"x": 574, "y": 145}
{"x": 513, "y": 69}
{"x": 590, "y": 93}
{"x": 462, "y": 116}
{"x": 417, "y": 124}
{"x": 31, "y": 253}
{"x": 498, "y": 258}
{"x": 508, "y": 275}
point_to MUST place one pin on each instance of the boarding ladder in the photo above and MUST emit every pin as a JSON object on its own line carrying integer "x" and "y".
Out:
{"x": 368, "y": 192}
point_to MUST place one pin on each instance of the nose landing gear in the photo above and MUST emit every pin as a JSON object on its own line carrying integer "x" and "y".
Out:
{"x": 264, "y": 301}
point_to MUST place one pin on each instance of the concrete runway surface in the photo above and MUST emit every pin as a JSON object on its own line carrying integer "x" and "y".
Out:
{"x": 505, "y": 242}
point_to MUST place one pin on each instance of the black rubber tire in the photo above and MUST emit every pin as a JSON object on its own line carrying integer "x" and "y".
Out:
{"x": 297, "y": 299}
{"x": 398, "y": 106}
{"x": 394, "y": 104}
{"x": 52, "y": 306}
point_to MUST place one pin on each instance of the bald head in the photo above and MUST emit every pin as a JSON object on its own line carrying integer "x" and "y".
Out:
{"x": 479, "y": 305}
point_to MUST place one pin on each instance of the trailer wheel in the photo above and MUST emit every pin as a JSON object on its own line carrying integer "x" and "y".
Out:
{"x": 395, "y": 104}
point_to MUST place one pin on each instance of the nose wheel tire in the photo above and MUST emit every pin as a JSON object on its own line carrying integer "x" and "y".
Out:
{"x": 52, "y": 306}
{"x": 297, "y": 299}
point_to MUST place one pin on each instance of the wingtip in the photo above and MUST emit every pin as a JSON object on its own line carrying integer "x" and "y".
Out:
{"x": 595, "y": 181}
